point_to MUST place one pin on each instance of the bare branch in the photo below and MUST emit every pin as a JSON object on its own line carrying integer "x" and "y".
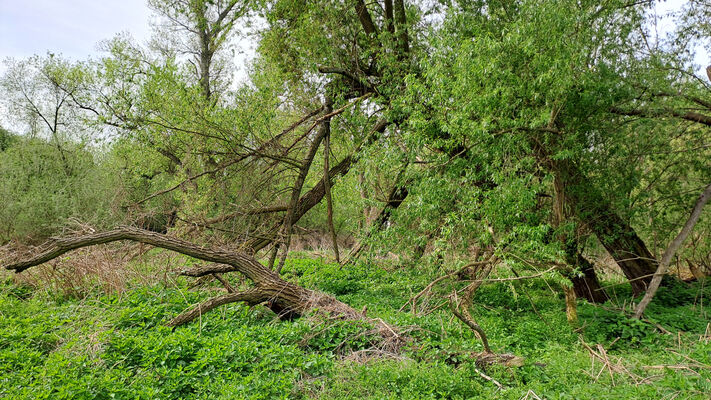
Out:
{"x": 671, "y": 250}
{"x": 251, "y": 297}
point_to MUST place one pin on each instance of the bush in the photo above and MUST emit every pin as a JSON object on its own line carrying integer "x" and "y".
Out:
{"x": 42, "y": 187}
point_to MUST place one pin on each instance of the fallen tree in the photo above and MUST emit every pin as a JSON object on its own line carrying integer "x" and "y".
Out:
{"x": 286, "y": 299}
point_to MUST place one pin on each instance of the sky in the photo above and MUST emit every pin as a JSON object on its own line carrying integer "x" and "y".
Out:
{"x": 68, "y": 27}
{"x": 73, "y": 28}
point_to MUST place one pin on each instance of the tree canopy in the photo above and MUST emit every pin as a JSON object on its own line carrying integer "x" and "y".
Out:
{"x": 560, "y": 140}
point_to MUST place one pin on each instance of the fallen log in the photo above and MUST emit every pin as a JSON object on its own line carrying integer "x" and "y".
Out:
{"x": 286, "y": 299}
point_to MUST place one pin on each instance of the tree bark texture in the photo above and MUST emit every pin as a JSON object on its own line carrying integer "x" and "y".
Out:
{"x": 586, "y": 286}
{"x": 284, "y": 298}
{"x": 592, "y": 209}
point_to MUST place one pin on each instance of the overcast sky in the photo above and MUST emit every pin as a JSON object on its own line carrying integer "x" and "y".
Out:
{"x": 74, "y": 27}
{"x": 70, "y": 27}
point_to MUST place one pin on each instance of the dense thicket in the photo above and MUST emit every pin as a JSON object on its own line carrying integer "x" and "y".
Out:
{"x": 554, "y": 139}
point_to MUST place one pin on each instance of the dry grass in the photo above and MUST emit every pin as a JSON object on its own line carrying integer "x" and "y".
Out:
{"x": 106, "y": 269}
{"x": 385, "y": 340}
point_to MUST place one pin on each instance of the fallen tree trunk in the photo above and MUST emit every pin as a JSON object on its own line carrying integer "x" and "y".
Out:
{"x": 284, "y": 298}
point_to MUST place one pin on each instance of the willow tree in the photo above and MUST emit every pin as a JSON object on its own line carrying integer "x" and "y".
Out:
{"x": 506, "y": 126}
{"x": 253, "y": 150}
{"x": 549, "y": 104}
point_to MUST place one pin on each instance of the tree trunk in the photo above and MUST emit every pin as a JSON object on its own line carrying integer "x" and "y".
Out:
{"x": 616, "y": 235}
{"x": 696, "y": 271}
{"x": 672, "y": 249}
{"x": 284, "y": 298}
{"x": 571, "y": 307}
{"x": 299, "y": 184}
{"x": 588, "y": 286}
{"x": 329, "y": 200}
{"x": 625, "y": 246}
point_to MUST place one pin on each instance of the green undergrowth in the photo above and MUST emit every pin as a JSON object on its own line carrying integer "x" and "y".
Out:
{"x": 117, "y": 346}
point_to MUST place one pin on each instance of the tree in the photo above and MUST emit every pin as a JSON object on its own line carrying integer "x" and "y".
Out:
{"x": 528, "y": 129}
{"x": 536, "y": 103}
{"x": 285, "y": 299}
{"x": 39, "y": 94}
{"x": 201, "y": 30}
{"x": 149, "y": 100}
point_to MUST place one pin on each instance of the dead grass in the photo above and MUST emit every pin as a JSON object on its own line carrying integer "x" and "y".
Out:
{"x": 385, "y": 340}
{"x": 105, "y": 269}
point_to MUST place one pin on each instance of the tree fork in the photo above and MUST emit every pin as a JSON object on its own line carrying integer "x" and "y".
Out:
{"x": 316, "y": 194}
{"x": 589, "y": 206}
{"x": 586, "y": 286}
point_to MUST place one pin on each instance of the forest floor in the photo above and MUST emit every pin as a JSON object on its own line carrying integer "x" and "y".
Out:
{"x": 113, "y": 344}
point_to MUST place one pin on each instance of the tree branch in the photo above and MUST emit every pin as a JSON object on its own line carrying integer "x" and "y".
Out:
{"x": 251, "y": 297}
{"x": 365, "y": 20}
{"x": 689, "y": 116}
{"x": 243, "y": 263}
{"x": 671, "y": 250}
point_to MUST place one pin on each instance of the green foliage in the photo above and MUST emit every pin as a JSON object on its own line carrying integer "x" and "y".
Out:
{"x": 43, "y": 187}
{"x": 7, "y": 139}
{"x": 498, "y": 110}
{"x": 332, "y": 278}
{"x": 116, "y": 346}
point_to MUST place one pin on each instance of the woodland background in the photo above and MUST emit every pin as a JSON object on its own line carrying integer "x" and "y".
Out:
{"x": 404, "y": 199}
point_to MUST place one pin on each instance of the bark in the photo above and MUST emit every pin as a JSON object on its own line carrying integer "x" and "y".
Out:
{"x": 389, "y": 19}
{"x": 571, "y": 307}
{"x": 299, "y": 183}
{"x": 309, "y": 200}
{"x": 671, "y": 251}
{"x": 401, "y": 21}
{"x": 284, "y": 298}
{"x": 590, "y": 207}
{"x": 697, "y": 272}
{"x": 205, "y": 61}
{"x": 586, "y": 286}
{"x": 462, "y": 313}
{"x": 688, "y": 116}
{"x": 365, "y": 20}
{"x": 624, "y": 245}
